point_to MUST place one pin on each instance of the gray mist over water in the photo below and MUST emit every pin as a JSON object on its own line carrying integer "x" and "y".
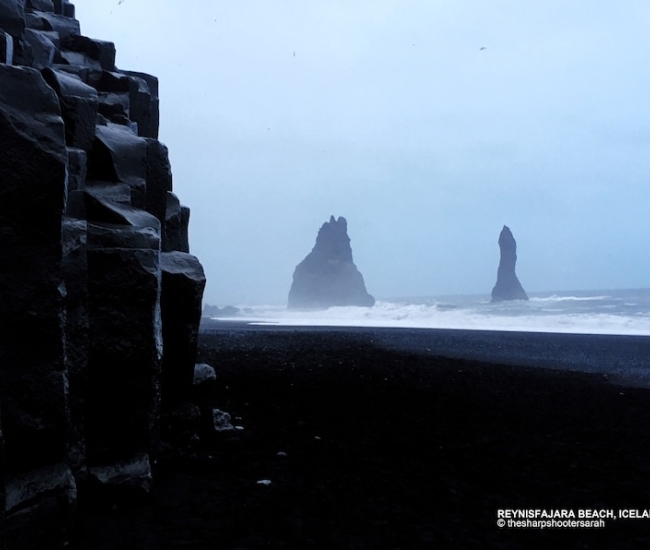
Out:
{"x": 427, "y": 124}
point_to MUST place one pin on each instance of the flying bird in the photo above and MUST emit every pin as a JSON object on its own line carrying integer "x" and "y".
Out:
{"x": 483, "y": 48}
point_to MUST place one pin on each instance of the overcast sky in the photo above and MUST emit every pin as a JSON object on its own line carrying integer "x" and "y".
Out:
{"x": 428, "y": 124}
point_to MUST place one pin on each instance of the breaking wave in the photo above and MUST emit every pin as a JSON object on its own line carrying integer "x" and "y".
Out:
{"x": 611, "y": 312}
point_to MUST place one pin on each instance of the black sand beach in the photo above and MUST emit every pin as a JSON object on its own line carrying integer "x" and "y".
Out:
{"x": 372, "y": 438}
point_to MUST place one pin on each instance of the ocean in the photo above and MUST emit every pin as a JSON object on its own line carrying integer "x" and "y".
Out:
{"x": 624, "y": 312}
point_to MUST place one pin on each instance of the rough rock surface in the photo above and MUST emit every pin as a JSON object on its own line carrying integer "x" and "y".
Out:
{"x": 86, "y": 206}
{"x": 508, "y": 286}
{"x": 33, "y": 378}
{"x": 183, "y": 282}
{"x": 327, "y": 276}
{"x": 203, "y": 374}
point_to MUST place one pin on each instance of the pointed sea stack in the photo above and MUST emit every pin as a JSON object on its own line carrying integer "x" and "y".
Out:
{"x": 327, "y": 276}
{"x": 508, "y": 286}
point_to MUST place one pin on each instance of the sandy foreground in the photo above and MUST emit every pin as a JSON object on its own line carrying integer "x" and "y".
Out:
{"x": 370, "y": 438}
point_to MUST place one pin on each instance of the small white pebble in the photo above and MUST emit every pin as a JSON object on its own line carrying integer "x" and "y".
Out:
{"x": 239, "y": 427}
{"x": 264, "y": 482}
{"x": 281, "y": 453}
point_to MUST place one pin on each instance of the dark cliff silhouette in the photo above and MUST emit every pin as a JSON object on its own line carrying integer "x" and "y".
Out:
{"x": 327, "y": 276}
{"x": 508, "y": 286}
{"x": 100, "y": 299}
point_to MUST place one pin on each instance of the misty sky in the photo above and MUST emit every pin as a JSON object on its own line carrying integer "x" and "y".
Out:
{"x": 281, "y": 113}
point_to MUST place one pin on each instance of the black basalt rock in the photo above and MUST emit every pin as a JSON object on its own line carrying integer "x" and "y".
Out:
{"x": 78, "y": 107}
{"x": 75, "y": 272}
{"x": 327, "y": 277}
{"x": 42, "y": 48}
{"x": 12, "y": 17}
{"x": 34, "y": 390}
{"x": 508, "y": 286}
{"x": 142, "y": 91}
{"x": 183, "y": 281}
{"x": 118, "y": 155}
{"x": 85, "y": 191}
{"x": 159, "y": 179}
{"x": 65, "y": 26}
{"x": 6, "y": 48}
{"x": 175, "y": 230}
{"x": 3, "y": 492}
{"x": 97, "y": 50}
{"x": 40, "y": 5}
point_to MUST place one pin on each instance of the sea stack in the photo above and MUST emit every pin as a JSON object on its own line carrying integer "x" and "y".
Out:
{"x": 508, "y": 286}
{"x": 327, "y": 276}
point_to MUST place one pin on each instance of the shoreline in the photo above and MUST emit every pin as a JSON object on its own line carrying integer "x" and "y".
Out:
{"x": 390, "y": 325}
{"x": 623, "y": 358}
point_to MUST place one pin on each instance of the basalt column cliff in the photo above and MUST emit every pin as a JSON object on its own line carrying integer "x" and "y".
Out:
{"x": 327, "y": 276}
{"x": 100, "y": 299}
{"x": 508, "y": 286}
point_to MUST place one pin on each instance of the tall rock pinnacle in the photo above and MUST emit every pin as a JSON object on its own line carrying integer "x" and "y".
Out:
{"x": 508, "y": 286}
{"x": 327, "y": 276}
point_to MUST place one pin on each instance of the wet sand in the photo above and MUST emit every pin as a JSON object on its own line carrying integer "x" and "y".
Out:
{"x": 372, "y": 438}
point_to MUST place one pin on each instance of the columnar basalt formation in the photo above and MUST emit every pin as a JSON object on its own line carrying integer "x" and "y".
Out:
{"x": 100, "y": 299}
{"x": 327, "y": 277}
{"x": 508, "y": 286}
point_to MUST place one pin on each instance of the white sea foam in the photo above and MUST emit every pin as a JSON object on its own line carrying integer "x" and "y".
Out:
{"x": 555, "y": 298}
{"x": 616, "y": 312}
